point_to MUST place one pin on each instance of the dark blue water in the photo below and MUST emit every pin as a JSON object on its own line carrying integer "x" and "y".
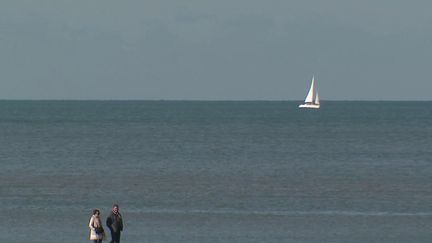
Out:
{"x": 217, "y": 171}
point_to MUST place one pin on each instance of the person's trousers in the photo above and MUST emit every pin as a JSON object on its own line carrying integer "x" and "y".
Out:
{"x": 115, "y": 237}
{"x": 97, "y": 241}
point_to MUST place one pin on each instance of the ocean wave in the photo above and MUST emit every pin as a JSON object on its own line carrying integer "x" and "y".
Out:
{"x": 280, "y": 213}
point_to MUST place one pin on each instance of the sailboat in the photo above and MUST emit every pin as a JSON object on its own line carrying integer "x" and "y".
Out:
{"x": 312, "y": 98}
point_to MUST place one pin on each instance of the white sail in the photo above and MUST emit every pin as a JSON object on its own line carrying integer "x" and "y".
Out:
{"x": 311, "y": 94}
{"x": 312, "y": 99}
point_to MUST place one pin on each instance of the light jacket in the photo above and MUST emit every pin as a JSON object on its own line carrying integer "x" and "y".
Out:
{"x": 94, "y": 223}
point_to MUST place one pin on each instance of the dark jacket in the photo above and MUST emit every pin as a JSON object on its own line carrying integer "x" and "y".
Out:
{"x": 115, "y": 222}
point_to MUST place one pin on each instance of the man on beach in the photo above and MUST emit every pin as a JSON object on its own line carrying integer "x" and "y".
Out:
{"x": 115, "y": 224}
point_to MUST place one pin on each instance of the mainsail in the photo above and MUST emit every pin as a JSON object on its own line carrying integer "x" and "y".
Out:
{"x": 317, "y": 98}
{"x": 312, "y": 98}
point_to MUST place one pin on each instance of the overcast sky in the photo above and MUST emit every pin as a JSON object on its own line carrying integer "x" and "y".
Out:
{"x": 215, "y": 50}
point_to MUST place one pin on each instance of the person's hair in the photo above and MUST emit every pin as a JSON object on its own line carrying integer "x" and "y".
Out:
{"x": 96, "y": 211}
{"x": 115, "y": 205}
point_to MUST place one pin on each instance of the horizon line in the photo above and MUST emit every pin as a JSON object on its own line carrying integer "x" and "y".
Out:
{"x": 227, "y": 100}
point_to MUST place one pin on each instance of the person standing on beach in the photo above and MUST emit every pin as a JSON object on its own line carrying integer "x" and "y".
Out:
{"x": 97, "y": 233}
{"x": 115, "y": 224}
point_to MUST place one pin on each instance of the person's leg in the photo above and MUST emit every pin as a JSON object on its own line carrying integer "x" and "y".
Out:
{"x": 112, "y": 237}
{"x": 117, "y": 237}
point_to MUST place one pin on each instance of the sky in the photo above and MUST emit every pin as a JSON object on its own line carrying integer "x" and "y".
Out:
{"x": 215, "y": 50}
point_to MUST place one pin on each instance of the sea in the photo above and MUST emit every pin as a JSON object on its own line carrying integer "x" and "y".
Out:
{"x": 217, "y": 171}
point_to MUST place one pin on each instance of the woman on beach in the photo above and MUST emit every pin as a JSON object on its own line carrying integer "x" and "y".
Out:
{"x": 97, "y": 233}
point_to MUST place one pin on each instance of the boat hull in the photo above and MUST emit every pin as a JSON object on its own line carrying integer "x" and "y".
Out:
{"x": 312, "y": 106}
